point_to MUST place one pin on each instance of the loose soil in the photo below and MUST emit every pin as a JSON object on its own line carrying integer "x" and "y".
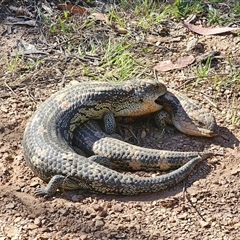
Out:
{"x": 205, "y": 206}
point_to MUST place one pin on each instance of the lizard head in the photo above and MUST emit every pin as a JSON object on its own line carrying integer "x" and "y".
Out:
{"x": 188, "y": 116}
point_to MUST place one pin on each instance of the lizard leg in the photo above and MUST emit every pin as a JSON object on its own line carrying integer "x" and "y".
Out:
{"x": 109, "y": 123}
{"x": 57, "y": 182}
{"x": 162, "y": 118}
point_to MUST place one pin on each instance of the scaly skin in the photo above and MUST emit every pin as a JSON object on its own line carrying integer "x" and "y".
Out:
{"x": 48, "y": 134}
{"x": 91, "y": 139}
{"x": 186, "y": 115}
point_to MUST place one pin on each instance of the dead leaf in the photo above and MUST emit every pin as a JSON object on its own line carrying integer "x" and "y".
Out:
{"x": 205, "y": 56}
{"x": 73, "y": 9}
{"x": 209, "y": 31}
{"x": 26, "y": 48}
{"x": 169, "y": 202}
{"x": 192, "y": 43}
{"x": 120, "y": 29}
{"x": 101, "y": 17}
{"x": 168, "y": 65}
{"x": 20, "y": 11}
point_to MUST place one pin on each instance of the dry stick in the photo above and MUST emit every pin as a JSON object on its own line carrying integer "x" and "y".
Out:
{"x": 31, "y": 97}
{"x": 208, "y": 99}
{"x": 123, "y": 125}
{"x": 189, "y": 81}
{"x": 66, "y": 41}
{"x": 155, "y": 74}
{"x": 186, "y": 82}
{"x": 5, "y": 82}
{"x": 185, "y": 196}
{"x": 138, "y": 142}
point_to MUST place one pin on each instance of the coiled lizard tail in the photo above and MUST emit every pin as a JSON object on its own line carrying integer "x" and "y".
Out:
{"x": 91, "y": 176}
{"x": 48, "y": 134}
{"x": 93, "y": 140}
{"x": 186, "y": 115}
